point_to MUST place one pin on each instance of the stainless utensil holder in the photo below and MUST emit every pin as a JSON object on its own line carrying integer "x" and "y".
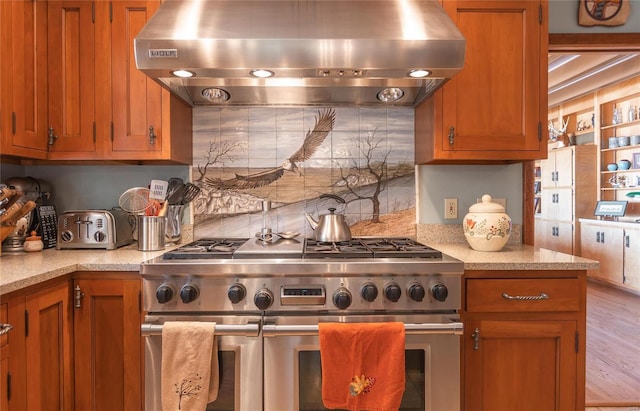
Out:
{"x": 151, "y": 233}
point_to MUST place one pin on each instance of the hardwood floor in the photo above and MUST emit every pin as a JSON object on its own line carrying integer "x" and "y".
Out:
{"x": 613, "y": 349}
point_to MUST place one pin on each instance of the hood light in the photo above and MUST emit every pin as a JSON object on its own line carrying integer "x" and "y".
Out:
{"x": 216, "y": 95}
{"x": 183, "y": 73}
{"x": 262, "y": 73}
{"x": 390, "y": 95}
{"x": 419, "y": 73}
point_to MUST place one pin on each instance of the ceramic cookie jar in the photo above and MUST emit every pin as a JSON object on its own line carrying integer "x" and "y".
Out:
{"x": 487, "y": 227}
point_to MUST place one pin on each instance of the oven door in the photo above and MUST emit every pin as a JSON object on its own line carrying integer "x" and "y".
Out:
{"x": 239, "y": 359}
{"x": 293, "y": 377}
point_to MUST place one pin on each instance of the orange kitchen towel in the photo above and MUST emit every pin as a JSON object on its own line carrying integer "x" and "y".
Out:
{"x": 189, "y": 366}
{"x": 362, "y": 365}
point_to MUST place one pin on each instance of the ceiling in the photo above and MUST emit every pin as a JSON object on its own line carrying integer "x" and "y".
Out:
{"x": 572, "y": 74}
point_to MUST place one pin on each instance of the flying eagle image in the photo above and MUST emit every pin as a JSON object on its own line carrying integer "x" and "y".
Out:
{"x": 325, "y": 120}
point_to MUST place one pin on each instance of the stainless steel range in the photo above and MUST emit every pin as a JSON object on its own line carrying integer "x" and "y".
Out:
{"x": 268, "y": 298}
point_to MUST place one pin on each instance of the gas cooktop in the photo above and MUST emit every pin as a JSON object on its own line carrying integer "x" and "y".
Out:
{"x": 364, "y": 247}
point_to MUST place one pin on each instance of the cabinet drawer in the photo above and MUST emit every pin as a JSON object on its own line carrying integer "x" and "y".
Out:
{"x": 525, "y": 295}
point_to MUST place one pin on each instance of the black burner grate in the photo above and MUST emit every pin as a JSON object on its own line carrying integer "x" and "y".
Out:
{"x": 206, "y": 248}
{"x": 342, "y": 249}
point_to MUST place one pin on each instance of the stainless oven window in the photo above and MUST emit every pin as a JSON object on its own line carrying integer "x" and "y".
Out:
{"x": 310, "y": 381}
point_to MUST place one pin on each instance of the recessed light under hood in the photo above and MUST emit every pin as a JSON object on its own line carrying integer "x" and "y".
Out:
{"x": 321, "y": 52}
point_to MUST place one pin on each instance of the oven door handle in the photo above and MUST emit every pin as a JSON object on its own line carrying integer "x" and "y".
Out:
{"x": 239, "y": 330}
{"x": 273, "y": 330}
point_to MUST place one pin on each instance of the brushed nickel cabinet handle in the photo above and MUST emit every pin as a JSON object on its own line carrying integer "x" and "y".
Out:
{"x": 52, "y": 136}
{"x": 476, "y": 339}
{"x": 451, "y": 134}
{"x": 152, "y": 135}
{"x": 542, "y": 296}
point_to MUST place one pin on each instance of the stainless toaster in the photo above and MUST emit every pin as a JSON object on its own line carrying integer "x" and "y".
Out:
{"x": 107, "y": 229}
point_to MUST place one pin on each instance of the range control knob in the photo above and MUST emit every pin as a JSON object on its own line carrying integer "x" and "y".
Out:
{"x": 165, "y": 293}
{"x": 416, "y": 292}
{"x": 99, "y": 236}
{"x": 439, "y": 292}
{"x": 236, "y": 293}
{"x": 342, "y": 298}
{"x": 263, "y": 299}
{"x": 188, "y": 293}
{"x": 392, "y": 292}
{"x": 369, "y": 292}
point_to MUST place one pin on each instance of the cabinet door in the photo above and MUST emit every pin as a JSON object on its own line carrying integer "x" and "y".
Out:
{"x": 108, "y": 345}
{"x": 603, "y": 244}
{"x": 72, "y": 80}
{"x": 23, "y": 81}
{"x": 137, "y": 100}
{"x": 632, "y": 258}
{"x": 520, "y": 365}
{"x": 49, "y": 356}
{"x": 498, "y": 101}
{"x": 564, "y": 167}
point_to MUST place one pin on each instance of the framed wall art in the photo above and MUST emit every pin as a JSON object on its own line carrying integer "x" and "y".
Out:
{"x": 603, "y": 12}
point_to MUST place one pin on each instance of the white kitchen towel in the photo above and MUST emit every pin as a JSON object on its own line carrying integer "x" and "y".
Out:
{"x": 189, "y": 366}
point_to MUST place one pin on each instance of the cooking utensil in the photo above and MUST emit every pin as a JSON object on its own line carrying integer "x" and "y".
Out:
{"x": 10, "y": 213}
{"x": 174, "y": 190}
{"x": 135, "y": 200}
{"x": 174, "y": 197}
{"x": 330, "y": 227}
{"x": 158, "y": 190}
{"x": 191, "y": 191}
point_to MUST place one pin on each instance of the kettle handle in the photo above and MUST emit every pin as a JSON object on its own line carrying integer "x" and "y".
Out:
{"x": 335, "y": 197}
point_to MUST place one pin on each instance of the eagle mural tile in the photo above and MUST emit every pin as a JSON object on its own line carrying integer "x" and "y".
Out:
{"x": 292, "y": 155}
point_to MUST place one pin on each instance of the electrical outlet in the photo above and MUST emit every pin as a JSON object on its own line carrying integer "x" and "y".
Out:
{"x": 450, "y": 208}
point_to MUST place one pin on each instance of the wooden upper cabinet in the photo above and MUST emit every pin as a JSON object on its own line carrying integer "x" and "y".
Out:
{"x": 148, "y": 123}
{"x": 72, "y": 79}
{"x": 495, "y": 108}
{"x": 23, "y": 79}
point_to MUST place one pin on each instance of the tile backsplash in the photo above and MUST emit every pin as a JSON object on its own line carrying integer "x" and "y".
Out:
{"x": 289, "y": 157}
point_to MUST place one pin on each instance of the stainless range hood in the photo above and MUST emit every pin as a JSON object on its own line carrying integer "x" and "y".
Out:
{"x": 319, "y": 52}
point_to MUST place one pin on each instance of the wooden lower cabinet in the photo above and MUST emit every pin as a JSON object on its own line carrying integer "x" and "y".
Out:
{"x": 616, "y": 245}
{"x": 524, "y": 341}
{"x": 75, "y": 345}
{"x": 108, "y": 350}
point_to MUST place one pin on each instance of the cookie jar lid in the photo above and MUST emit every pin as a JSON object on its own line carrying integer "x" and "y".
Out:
{"x": 486, "y": 206}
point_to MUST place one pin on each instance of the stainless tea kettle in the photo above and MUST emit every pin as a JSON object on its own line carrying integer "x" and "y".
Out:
{"x": 330, "y": 227}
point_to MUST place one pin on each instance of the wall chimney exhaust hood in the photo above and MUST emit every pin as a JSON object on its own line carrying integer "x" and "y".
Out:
{"x": 300, "y": 52}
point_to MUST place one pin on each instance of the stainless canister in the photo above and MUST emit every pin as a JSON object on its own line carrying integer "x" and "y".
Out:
{"x": 151, "y": 231}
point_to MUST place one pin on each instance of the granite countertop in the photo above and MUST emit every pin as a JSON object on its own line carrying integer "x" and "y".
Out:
{"x": 23, "y": 269}
{"x": 514, "y": 257}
